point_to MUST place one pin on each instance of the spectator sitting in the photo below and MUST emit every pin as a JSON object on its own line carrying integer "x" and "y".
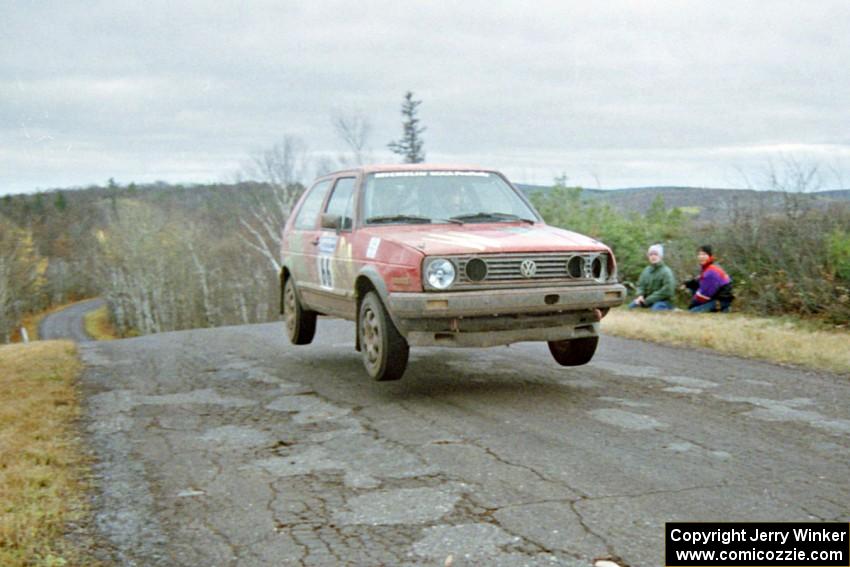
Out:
{"x": 657, "y": 284}
{"x": 713, "y": 289}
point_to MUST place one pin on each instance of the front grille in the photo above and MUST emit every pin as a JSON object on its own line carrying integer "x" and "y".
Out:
{"x": 578, "y": 267}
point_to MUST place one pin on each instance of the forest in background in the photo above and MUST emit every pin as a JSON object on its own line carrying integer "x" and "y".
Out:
{"x": 170, "y": 257}
{"x": 790, "y": 258}
{"x": 165, "y": 257}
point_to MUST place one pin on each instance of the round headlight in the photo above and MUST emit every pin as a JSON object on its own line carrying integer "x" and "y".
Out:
{"x": 440, "y": 273}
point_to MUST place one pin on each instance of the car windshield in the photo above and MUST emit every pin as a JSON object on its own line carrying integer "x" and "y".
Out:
{"x": 416, "y": 197}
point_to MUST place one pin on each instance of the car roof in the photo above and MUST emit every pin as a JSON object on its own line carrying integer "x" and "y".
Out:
{"x": 376, "y": 168}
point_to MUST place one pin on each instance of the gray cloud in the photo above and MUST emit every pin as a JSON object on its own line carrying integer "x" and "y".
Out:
{"x": 617, "y": 95}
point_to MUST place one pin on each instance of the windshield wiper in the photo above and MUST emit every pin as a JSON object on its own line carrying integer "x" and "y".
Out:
{"x": 397, "y": 218}
{"x": 484, "y": 216}
{"x": 408, "y": 218}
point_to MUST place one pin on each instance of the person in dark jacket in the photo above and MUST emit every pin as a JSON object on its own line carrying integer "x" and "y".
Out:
{"x": 713, "y": 289}
{"x": 657, "y": 284}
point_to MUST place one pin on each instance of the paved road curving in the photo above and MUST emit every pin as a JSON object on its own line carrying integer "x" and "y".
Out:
{"x": 68, "y": 323}
{"x": 231, "y": 447}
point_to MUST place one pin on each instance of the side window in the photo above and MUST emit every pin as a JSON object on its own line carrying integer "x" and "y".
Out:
{"x": 309, "y": 212}
{"x": 341, "y": 201}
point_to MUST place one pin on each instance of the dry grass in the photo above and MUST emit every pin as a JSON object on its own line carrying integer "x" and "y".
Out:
{"x": 99, "y": 326}
{"x": 751, "y": 337}
{"x": 30, "y": 322}
{"x": 42, "y": 465}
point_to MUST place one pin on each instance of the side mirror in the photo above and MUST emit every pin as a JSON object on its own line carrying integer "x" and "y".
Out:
{"x": 333, "y": 222}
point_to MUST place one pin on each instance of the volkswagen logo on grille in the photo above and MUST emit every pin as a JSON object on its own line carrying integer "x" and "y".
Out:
{"x": 528, "y": 268}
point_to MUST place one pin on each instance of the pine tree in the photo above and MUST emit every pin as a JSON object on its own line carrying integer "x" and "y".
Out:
{"x": 410, "y": 146}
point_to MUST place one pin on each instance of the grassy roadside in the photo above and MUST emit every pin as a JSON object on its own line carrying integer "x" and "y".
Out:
{"x": 31, "y": 322}
{"x": 99, "y": 326}
{"x": 42, "y": 465}
{"x": 773, "y": 340}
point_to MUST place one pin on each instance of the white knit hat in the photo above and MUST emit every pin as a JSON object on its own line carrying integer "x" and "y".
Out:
{"x": 657, "y": 249}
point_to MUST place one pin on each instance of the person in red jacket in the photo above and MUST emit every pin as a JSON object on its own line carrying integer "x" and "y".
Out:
{"x": 713, "y": 289}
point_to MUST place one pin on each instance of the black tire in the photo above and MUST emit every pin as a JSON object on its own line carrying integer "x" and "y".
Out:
{"x": 384, "y": 350}
{"x": 300, "y": 323}
{"x": 573, "y": 352}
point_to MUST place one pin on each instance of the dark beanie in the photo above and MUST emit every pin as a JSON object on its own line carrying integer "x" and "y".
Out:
{"x": 705, "y": 248}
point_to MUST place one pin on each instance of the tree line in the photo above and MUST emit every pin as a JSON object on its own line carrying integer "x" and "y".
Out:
{"x": 794, "y": 260}
{"x": 165, "y": 257}
{"x": 170, "y": 257}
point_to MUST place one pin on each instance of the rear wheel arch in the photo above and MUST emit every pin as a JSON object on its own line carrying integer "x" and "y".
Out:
{"x": 300, "y": 323}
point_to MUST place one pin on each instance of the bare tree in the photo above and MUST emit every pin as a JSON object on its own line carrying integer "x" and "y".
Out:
{"x": 204, "y": 275}
{"x": 283, "y": 164}
{"x": 7, "y": 319}
{"x": 354, "y": 129}
{"x": 794, "y": 179}
{"x": 21, "y": 276}
{"x": 263, "y": 225}
{"x": 129, "y": 255}
{"x": 283, "y": 167}
{"x": 326, "y": 164}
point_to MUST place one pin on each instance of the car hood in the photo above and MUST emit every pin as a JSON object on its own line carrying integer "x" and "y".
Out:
{"x": 490, "y": 238}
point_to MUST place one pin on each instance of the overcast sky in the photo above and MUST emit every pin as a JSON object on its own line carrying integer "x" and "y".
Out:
{"x": 626, "y": 94}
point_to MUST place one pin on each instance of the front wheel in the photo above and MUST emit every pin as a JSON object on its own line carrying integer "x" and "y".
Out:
{"x": 300, "y": 323}
{"x": 573, "y": 352}
{"x": 384, "y": 350}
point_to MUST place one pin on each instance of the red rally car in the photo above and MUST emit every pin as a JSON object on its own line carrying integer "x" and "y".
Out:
{"x": 426, "y": 255}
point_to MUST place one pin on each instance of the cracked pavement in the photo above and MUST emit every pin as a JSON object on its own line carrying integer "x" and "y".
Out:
{"x": 231, "y": 447}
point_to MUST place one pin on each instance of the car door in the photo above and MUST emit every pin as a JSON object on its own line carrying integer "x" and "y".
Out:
{"x": 303, "y": 242}
{"x": 334, "y": 262}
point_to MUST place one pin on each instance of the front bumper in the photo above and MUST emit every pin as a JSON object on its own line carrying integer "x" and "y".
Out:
{"x": 502, "y": 316}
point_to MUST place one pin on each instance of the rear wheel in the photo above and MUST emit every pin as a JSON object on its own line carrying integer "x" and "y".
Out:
{"x": 300, "y": 323}
{"x": 573, "y": 352}
{"x": 384, "y": 350}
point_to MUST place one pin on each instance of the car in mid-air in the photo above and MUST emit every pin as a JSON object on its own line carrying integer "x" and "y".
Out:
{"x": 430, "y": 255}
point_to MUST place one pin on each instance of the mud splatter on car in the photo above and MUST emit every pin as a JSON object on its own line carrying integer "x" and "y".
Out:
{"x": 425, "y": 255}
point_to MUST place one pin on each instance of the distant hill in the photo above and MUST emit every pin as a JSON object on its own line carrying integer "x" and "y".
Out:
{"x": 704, "y": 203}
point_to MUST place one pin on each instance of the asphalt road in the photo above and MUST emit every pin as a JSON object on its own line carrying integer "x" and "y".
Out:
{"x": 68, "y": 323}
{"x": 230, "y": 447}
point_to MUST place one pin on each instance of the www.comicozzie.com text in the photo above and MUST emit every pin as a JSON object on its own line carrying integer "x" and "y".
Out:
{"x": 743, "y": 534}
